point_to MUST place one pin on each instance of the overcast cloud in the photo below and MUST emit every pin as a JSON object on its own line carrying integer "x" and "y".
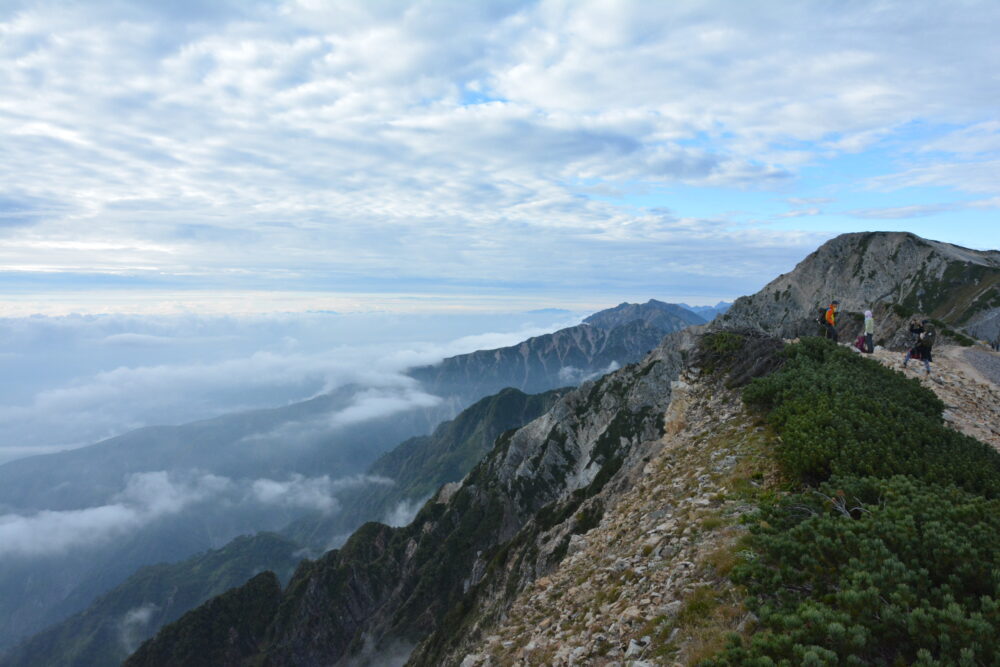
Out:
{"x": 448, "y": 147}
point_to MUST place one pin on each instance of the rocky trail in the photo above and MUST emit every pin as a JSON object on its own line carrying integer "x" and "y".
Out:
{"x": 967, "y": 380}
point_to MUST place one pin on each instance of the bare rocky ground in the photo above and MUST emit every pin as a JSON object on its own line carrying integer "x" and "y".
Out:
{"x": 648, "y": 585}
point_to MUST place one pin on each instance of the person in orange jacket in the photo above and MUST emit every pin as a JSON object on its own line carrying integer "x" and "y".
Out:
{"x": 831, "y": 320}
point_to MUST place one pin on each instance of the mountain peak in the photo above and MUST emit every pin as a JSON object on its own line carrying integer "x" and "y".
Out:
{"x": 957, "y": 285}
{"x": 666, "y": 316}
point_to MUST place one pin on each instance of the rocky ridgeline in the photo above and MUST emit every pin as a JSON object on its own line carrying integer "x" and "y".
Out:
{"x": 648, "y": 586}
{"x": 956, "y": 285}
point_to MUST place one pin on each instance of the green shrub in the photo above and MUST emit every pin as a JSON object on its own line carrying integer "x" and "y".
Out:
{"x": 839, "y": 413}
{"x": 874, "y": 571}
{"x": 894, "y": 558}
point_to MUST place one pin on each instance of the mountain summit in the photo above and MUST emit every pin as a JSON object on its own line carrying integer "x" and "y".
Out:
{"x": 956, "y": 285}
{"x": 665, "y": 316}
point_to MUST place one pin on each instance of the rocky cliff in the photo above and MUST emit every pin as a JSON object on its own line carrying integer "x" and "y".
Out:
{"x": 958, "y": 286}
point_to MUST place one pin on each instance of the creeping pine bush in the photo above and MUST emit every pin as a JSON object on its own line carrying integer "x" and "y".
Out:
{"x": 841, "y": 414}
{"x": 872, "y": 571}
{"x": 890, "y": 552}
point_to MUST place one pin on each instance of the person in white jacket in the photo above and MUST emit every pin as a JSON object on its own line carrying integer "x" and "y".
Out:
{"x": 869, "y": 332}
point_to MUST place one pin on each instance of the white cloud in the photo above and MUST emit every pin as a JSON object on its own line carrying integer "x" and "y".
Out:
{"x": 145, "y": 498}
{"x": 403, "y": 513}
{"x": 72, "y": 381}
{"x": 335, "y": 145}
{"x": 572, "y": 375}
{"x": 132, "y": 627}
{"x": 150, "y": 496}
{"x": 309, "y": 493}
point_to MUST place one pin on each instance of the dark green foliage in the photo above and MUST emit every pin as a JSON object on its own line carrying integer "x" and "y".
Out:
{"x": 895, "y": 558}
{"x": 588, "y": 518}
{"x": 222, "y": 632}
{"x": 420, "y": 466}
{"x": 839, "y": 413}
{"x": 875, "y": 572}
{"x": 902, "y": 311}
{"x": 741, "y": 356}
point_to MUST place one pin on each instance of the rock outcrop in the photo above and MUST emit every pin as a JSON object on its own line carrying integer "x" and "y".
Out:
{"x": 602, "y": 532}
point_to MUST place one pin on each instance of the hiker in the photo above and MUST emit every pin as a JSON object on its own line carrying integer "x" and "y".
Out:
{"x": 830, "y": 321}
{"x": 869, "y": 332}
{"x": 922, "y": 348}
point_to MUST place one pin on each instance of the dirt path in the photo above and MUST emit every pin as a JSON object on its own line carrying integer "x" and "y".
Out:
{"x": 964, "y": 379}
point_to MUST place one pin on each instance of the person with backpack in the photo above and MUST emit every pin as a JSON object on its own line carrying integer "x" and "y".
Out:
{"x": 830, "y": 320}
{"x": 922, "y": 349}
{"x": 869, "y": 332}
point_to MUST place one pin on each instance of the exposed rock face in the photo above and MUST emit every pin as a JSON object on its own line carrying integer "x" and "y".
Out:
{"x": 390, "y": 587}
{"x": 419, "y": 466}
{"x": 593, "y": 534}
{"x": 953, "y": 284}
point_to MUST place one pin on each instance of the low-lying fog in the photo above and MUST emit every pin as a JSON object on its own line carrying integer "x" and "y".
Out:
{"x": 71, "y": 381}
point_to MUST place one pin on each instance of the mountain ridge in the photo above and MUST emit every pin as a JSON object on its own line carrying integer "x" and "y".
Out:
{"x": 959, "y": 286}
{"x": 518, "y": 513}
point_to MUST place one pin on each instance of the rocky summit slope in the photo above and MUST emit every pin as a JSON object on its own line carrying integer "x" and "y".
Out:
{"x": 966, "y": 381}
{"x": 635, "y": 588}
{"x": 958, "y": 286}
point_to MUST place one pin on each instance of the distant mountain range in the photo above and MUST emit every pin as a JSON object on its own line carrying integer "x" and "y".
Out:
{"x": 426, "y": 590}
{"x": 708, "y": 312}
{"x": 603, "y": 342}
{"x": 273, "y": 444}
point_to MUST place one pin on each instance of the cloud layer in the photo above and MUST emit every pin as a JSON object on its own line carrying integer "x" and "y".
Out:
{"x": 148, "y": 497}
{"x": 70, "y": 381}
{"x": 462, "y": 146}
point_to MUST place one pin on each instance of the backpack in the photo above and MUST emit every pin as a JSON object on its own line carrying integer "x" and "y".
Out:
{"x": 926, "y": 339}
{"x": 821, "y": 318}
{"x": 859, "y": 343}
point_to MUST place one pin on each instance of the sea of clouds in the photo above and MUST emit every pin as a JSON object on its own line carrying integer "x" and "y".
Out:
{"x": 71, "y": 381}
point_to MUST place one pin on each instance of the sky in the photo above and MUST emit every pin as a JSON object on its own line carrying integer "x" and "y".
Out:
{"x": 453, "y": 156}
